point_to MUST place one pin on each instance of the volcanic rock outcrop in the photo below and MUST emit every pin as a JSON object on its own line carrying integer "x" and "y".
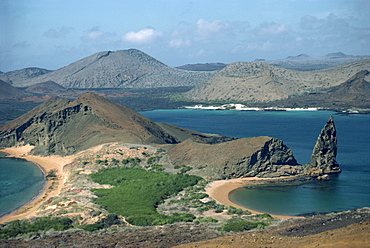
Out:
{"x": 258, "y": 156}
{"x": 323, "y": 159}
{"x": 64, "y": 127}
{"x": 247, "y": 157}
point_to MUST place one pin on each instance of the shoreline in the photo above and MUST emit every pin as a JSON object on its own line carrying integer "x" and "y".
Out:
{"x": 220, "y": 190}
{"x": 51, "y": 187}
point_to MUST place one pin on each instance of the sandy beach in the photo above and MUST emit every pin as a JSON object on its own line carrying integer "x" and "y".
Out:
{"x": 52, "y": 187}
{"x": 220, "y": 190}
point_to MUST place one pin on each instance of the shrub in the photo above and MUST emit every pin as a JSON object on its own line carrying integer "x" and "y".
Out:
{"x": 14, "y": 228}
{"x": 240, "y": 226}
{"x": 139, "y": 192}
{"x": 133, "y": 161}
{"x": 185, "y": 169}
{"x": 153, "y": 160}
{"x": 265, "y": 215}
{"x": 99, "y": 161}
{"x": 52, "y": 174}
{"x": 115, "y": 161}
{"x": 111, "y": 219}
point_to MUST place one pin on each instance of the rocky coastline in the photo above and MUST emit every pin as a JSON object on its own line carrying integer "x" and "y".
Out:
{"x": 249, "y": 160}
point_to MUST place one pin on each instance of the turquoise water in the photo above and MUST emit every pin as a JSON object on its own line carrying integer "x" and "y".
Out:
{"x": 20, "y": 182}
{"x": 299, "y": 131}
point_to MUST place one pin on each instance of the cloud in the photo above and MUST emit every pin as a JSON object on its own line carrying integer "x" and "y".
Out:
{"x": 203, "y": 31}
{"x": 309, "y": 22}
{"x": 329, "y": 23}
{"x": 92, "y": 34}
{"x": 269, "y": 29}
{"x": 22, "y": 44}
{"x": 60, "y": 32}
{"x": 207, "y": 29}
{"x": 144, "y": 36}
{"x": 177, "y": 43}
{"x": 332, "y": 33}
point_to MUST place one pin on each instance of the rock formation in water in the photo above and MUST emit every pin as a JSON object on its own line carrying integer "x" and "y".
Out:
{"x": 247, "y": 157}
{"x": 323, "y": 158}
{"x": 257, "y": 156}
{"x": 65, "y": 127}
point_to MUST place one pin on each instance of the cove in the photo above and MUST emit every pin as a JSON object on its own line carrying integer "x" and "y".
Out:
{"x": 20, "y": 182}
{"x": 299, "y": 131}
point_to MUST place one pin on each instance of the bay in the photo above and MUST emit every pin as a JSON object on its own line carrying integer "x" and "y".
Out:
{"x": 299, "y": 131}
{"x": 20, "y": 182}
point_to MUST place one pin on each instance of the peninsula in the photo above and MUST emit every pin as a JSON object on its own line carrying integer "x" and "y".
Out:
{"x": 92, "y": 134}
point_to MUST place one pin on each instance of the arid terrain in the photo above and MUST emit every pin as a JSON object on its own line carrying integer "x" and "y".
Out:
{"x": 348, "y": 229}
{"x": 344, "y": 229}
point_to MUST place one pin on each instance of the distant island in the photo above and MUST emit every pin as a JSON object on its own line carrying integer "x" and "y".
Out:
{"x": 71, "y": 128}
{"x": 109, "y": 167}
{"x": 89, "y": 146}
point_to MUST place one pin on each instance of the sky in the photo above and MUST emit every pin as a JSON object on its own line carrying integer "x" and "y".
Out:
{"x": 54, "y": 33}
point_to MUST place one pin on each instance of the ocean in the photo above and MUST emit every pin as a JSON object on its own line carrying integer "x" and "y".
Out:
{"x": 299, "y": 131}
{"x": 20, "y": 182}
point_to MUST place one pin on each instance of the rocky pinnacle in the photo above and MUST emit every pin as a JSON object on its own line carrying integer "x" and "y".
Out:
{"x": 323, "y": 158}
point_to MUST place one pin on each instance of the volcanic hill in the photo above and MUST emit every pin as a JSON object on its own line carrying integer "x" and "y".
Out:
{"x": 45, "y": 87}
{"x": 261, "y": 82}
{"x": 18, "y": 77}
{"x": 353, "y": 93}
{"x": 120, "y": 69}
{"x": 64, "y": 127}
{"x": 8, "y": 92}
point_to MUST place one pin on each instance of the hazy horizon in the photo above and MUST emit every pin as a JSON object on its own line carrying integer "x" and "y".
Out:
{"x": 52, "y": 34}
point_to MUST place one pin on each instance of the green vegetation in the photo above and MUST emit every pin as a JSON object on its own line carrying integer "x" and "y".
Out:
{"x": 183, "y": 168}
{"x": 153, "y": 160}
{"x": 238, "y": 211}
{"x": 237, "y": 224}
{"x": 242, "y": 225}
{"x": 139, "y": 192}
{"x": 52, "y": 174}
{"x": 132, "y": 161}
{"x": 111, "y": 219}
{"x": 206, "y": 220}
{"x": 17, "y": 227}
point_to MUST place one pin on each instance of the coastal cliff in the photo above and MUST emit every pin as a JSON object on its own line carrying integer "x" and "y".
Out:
{"x": 64, "y": 127}
{"x": 258, "y": 156}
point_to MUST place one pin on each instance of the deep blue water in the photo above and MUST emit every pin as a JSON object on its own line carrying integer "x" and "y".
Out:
{"x": 20, "y": 182}
{"x": 299, "y": 131}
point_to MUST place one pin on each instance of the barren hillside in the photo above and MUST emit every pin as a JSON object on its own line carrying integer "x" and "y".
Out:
{"x": 258, "y": 81}
{"x": 120, "y": 69}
